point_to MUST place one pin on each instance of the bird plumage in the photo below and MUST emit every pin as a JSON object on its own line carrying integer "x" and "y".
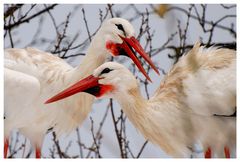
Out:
{"x": 32, "y": 76}
{"x": 43, "y": 75}
{"x": 185, "y": 104}
{"x": 193, "y": 105}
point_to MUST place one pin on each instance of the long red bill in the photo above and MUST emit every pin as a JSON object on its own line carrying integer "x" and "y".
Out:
{"x": 82, "y": 85}
{"x": 135, "y": 60}
{"x": 133, "y": 42}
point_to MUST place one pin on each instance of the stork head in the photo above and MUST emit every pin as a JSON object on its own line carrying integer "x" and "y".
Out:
{"x": 110, "y": 79}
{"x": 118, "y": 36}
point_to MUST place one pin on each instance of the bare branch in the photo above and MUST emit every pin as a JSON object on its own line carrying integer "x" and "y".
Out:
{"x": 10, "y": 11}
{"x": 86, "y": 24}
{"x": 142, "y": 148}
{"x": 10, "y": 26}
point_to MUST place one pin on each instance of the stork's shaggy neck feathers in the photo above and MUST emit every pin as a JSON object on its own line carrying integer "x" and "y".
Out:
{"x": 173, "y": 119}
{"x": 143, "y": 114}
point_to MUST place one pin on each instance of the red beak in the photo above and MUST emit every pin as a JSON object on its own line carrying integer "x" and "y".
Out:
{"x": 81, "y": 86}
{"x": 89, "y": 85}
{"x": 133, "y": 42}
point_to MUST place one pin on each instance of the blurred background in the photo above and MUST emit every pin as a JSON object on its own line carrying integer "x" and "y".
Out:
{"x": 166, "y": 31}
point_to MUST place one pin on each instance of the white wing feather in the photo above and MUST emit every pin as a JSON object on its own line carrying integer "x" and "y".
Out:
{"x": 205, "y": 80}
{"x": 20, "y": 90}
{"x": 212, "y": 92}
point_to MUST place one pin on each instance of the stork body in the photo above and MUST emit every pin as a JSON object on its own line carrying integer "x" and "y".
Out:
{"x": 31, "y": 76}
{"x": 27, "y": 88}
{"x": 194, "y": 104}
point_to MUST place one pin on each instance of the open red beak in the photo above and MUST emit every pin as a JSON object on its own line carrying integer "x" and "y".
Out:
{"x": 87, "y": 84}
{"x": 133, "y": 42}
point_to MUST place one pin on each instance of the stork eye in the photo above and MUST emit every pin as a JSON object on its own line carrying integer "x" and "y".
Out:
{"x": 120, "y": 27}
{"x": 106, "y": 70}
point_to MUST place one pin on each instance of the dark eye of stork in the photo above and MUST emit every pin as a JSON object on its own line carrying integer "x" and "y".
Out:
{"x": 106, "y": 70}
{"x": 120, "y": 27}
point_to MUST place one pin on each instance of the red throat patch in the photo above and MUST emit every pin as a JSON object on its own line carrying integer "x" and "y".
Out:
{"x": 113, "y": 48}
{"x": 104, "y": 89}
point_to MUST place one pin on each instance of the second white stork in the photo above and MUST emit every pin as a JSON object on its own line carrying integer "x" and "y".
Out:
{"x": 195, "y": 103}
{"x": 31, "y": 76}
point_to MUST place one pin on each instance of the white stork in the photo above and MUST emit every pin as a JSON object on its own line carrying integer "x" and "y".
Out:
{"x": 31, "y": 76}
{"x": 195, "y": 103}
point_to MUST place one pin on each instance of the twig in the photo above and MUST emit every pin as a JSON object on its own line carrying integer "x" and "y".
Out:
{"x": 10, "y": 38}
{"x": 95, "y": 139}
{"x": 110, "y": 9}
{"x": 10, "y": 11}
{"x": 142, "y": 148}
{"x": 86, "y": 24}
{"x": 197, "y": 18}
{"x": 62, "y": 36}
{"x": 24, "y": 149}
{"x": 118, "y": 135}
{"x": 79, "y": 143}
{"x": 98, "y": 134}
{"x": 10, "y": 26}
{"x": 59, "y": 151}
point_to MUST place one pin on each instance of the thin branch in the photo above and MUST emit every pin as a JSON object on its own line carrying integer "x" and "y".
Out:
{"x": 10, "y": 11}
{"x": 98, "y": 134}
{"x": 118, "y": 135}
{"x": 59, "y": 151}
{"x": 195, "y": 17}
{"x": 229, "y": 6}
{"x": 86, "y": 24}
{"x": 95, "y": 139}
{"x": 10, "y": 26}
{"x": 10, "y": 38}
{"x": 79, "y": 143}
{"x": 142, "y": 148}
{"x": 110, "y": 9}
